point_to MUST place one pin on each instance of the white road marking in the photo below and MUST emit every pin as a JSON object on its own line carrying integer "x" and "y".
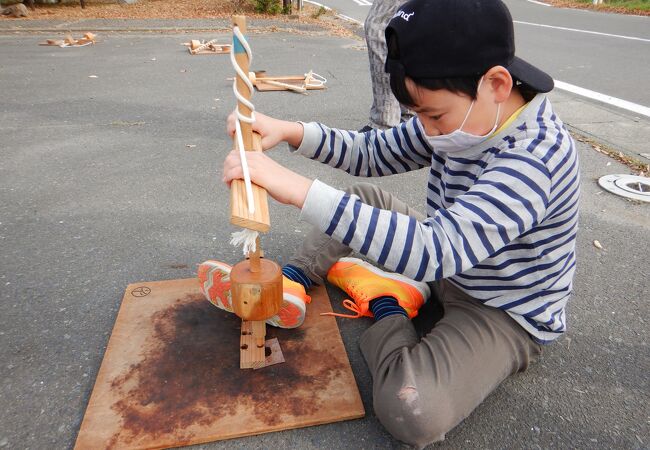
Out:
{"x": 318, "y": 4}
{"x": 538, "y": 3}
{"x": 342, "y": 16}
{"x": 633, "y": 38}
{"x": 363, "y": 2}
{"x": 619, "y": 103}
{"x": 350, "y": 19}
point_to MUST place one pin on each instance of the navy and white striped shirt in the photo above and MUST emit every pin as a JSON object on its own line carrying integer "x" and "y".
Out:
{"x": 501, "y": 217}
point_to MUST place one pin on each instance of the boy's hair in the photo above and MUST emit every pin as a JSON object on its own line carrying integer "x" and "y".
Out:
{"x": 459, "y": 85}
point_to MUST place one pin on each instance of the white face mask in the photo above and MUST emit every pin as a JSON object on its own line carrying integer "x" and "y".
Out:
{"x": 459, "y": 139}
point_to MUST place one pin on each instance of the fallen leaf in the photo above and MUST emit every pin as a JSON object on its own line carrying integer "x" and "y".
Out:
{"x": 598, "y": 245}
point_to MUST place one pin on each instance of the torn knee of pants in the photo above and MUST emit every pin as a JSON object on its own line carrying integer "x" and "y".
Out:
{"x": 418, "y": 427}
{"x": 410, "y": 397}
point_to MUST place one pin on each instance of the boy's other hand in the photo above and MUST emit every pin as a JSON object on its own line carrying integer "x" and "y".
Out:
{"x": 282, "y": 184}
{"x": 273, "y": 131}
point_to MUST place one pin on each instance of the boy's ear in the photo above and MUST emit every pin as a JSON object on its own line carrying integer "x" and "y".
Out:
{"x": 500, "y": 82}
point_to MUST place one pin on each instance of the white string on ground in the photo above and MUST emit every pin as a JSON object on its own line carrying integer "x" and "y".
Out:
{"x": 315, "y": 80}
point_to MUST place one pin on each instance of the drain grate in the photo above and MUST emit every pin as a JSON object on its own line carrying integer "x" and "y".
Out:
{"x": 628, "y": 186}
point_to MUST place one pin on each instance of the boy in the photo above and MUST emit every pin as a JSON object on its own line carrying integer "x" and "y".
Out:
{"x": 498, "y": 239}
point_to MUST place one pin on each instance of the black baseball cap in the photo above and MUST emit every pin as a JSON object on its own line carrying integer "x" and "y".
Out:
{"x": 457, "y": 38}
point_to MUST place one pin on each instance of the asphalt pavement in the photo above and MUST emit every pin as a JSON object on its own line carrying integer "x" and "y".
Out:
{"x": 113, "y": 179}
{"x": 602, "y": 52}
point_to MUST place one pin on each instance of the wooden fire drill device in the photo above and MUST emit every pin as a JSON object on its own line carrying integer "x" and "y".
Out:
{"x": 256, "y": 283}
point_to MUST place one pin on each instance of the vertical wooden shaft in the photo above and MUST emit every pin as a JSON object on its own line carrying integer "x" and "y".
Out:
{"x": 240, "y": 214}
{"x": 259, "y": 333}
{"x": 255, "y": 257}
{"x": 256, "y": 284}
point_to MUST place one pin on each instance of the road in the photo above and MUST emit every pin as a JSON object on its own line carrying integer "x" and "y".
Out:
{"x": 600, "y": 52}
{"x": 110, "y": 180}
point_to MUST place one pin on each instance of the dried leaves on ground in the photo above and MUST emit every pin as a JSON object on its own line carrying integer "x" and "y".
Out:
{"x": 144, "y": 9}
{"x": 184, "y": 9}
{"x": 639, "y": 168}
{"x": 161, "y": 9}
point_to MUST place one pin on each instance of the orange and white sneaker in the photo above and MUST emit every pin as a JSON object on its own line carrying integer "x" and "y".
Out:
{"x": 364, "y": 282}
{"x": 214, "y": 279}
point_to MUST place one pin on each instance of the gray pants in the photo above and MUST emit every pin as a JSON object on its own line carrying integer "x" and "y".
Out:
{"x": 422, "y": 388}
{"x": 385, "y": 112}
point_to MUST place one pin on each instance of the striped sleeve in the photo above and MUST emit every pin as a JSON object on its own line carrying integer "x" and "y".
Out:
{"x": 375, "y": 153}
{"x": 509, "y": 199}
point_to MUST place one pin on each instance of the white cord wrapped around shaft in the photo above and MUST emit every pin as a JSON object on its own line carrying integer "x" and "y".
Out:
{"x": 244, "y": 166}
{"x": 240, "y": 98}
{"x": 246, "y": 238}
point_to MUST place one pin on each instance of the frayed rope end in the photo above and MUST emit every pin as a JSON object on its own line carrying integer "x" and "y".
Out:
{"x": 247, "y": 238}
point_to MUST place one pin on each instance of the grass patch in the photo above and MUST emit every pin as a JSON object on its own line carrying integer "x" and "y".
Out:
{"x": 319, "y": 12}
{"x": 641, "y": 7}
{"x": 632, "y": 5}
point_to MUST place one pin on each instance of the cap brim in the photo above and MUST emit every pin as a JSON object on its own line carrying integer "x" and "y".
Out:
{"x": 530, "y": 75}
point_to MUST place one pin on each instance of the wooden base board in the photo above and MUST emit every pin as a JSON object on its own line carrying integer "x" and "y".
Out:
{"x": 213, "y": 48}
{"x": 171, "y": 376}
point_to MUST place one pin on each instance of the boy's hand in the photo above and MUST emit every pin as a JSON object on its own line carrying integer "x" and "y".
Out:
{"x": 273, "y": 131}
{"x": 281, "y": 183}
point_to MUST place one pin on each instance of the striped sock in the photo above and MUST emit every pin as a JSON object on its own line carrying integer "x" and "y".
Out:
{"x": 296, "y": 274}
{"x": 386, "y": 306}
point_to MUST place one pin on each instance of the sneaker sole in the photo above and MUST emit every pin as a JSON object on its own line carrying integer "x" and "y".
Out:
{"x": 291, "y": 315}
{"x": 421, "y": 287}
{"x": 208, "y": 284}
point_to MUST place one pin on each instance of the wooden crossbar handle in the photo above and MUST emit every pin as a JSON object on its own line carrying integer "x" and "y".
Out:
{"x": 239, "y": 211}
